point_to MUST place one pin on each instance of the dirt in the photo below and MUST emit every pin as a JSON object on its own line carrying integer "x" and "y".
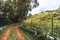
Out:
{"x": 18, "y": 33}
{"x": 6, "y": 34}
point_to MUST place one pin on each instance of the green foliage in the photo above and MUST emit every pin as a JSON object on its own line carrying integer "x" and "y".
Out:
{"x": 13, "y": 35}
{"x": 3, "y": 29}
{"x": 16, "y": 9}
{"x": 41, "y": 24}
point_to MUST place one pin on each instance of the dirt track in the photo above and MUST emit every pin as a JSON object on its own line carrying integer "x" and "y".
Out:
{"x": 6, "y": 34}
{"x": 18, "y": 33}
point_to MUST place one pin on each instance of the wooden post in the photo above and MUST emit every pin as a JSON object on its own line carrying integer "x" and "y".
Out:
{"x": 52, "y": 24}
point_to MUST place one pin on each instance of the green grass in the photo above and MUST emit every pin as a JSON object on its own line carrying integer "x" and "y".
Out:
{"x": 42, "y": 24}
{"x": 3, "y": 29}
{"x": 27, "y": 35}
{"x": 13, "y": 35}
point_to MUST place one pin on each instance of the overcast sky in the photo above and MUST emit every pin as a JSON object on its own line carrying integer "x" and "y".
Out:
{"x": 46, "y": 5}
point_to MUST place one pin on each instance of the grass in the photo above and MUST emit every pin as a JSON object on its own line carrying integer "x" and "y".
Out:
{"x": 13, "y": 35}
{"x": 27, "y": 35}
{"x": 42, "y": 22}
{"x": 3, "y": 29}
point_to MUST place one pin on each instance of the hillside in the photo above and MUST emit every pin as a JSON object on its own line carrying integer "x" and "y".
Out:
{"x": 45, "y": 15}
{"x": 41, "y": 23}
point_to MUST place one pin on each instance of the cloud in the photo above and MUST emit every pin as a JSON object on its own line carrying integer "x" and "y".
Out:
{"x": 46, "y": 5}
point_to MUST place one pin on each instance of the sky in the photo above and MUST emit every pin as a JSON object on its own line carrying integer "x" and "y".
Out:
{"x": 46, "y": 5}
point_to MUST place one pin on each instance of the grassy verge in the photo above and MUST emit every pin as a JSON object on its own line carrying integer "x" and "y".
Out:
{"x": 27, "y": 35}
{"x": 13, "y": 35}
{"x": 3, "y": 29}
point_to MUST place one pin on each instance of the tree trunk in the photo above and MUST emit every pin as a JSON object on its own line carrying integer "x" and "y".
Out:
{"x": 20, "y": 11}
{"x": 20, "y": 20}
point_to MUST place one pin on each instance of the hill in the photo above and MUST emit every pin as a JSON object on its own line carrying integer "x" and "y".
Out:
{"x": 47, "y": 15}
{"x": 41, "y": 23}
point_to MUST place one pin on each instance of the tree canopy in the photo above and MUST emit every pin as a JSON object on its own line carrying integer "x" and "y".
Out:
{"x": 14, "y": 10}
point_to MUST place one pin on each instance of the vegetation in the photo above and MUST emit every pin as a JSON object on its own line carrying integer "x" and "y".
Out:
{"x": 35, "y": 27}
{"x": 16, "y": 10}
{"x": 13, "y": 11}
{"x": 13, "y": 35}
{"x": 41, "y": 24}
{"x": 3, "y": 29}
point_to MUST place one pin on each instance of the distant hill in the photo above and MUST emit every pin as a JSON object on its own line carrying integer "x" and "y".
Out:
{"x": 47, "y": 15}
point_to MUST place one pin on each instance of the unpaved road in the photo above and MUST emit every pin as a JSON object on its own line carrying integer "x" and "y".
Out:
{"x": 6, "y": 34}
{"x": 18, "y": 33}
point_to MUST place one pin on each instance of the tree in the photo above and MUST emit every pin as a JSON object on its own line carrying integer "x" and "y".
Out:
{"x": 30, "y": 15}
{"x": 15, "y": 10}
{"x": 24, "y": 7}
{"x": 9, "y": 9}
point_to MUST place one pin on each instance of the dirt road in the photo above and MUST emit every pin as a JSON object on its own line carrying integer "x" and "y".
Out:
{"x": 18, "y": 33}
{"x": 6, "y": 34}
